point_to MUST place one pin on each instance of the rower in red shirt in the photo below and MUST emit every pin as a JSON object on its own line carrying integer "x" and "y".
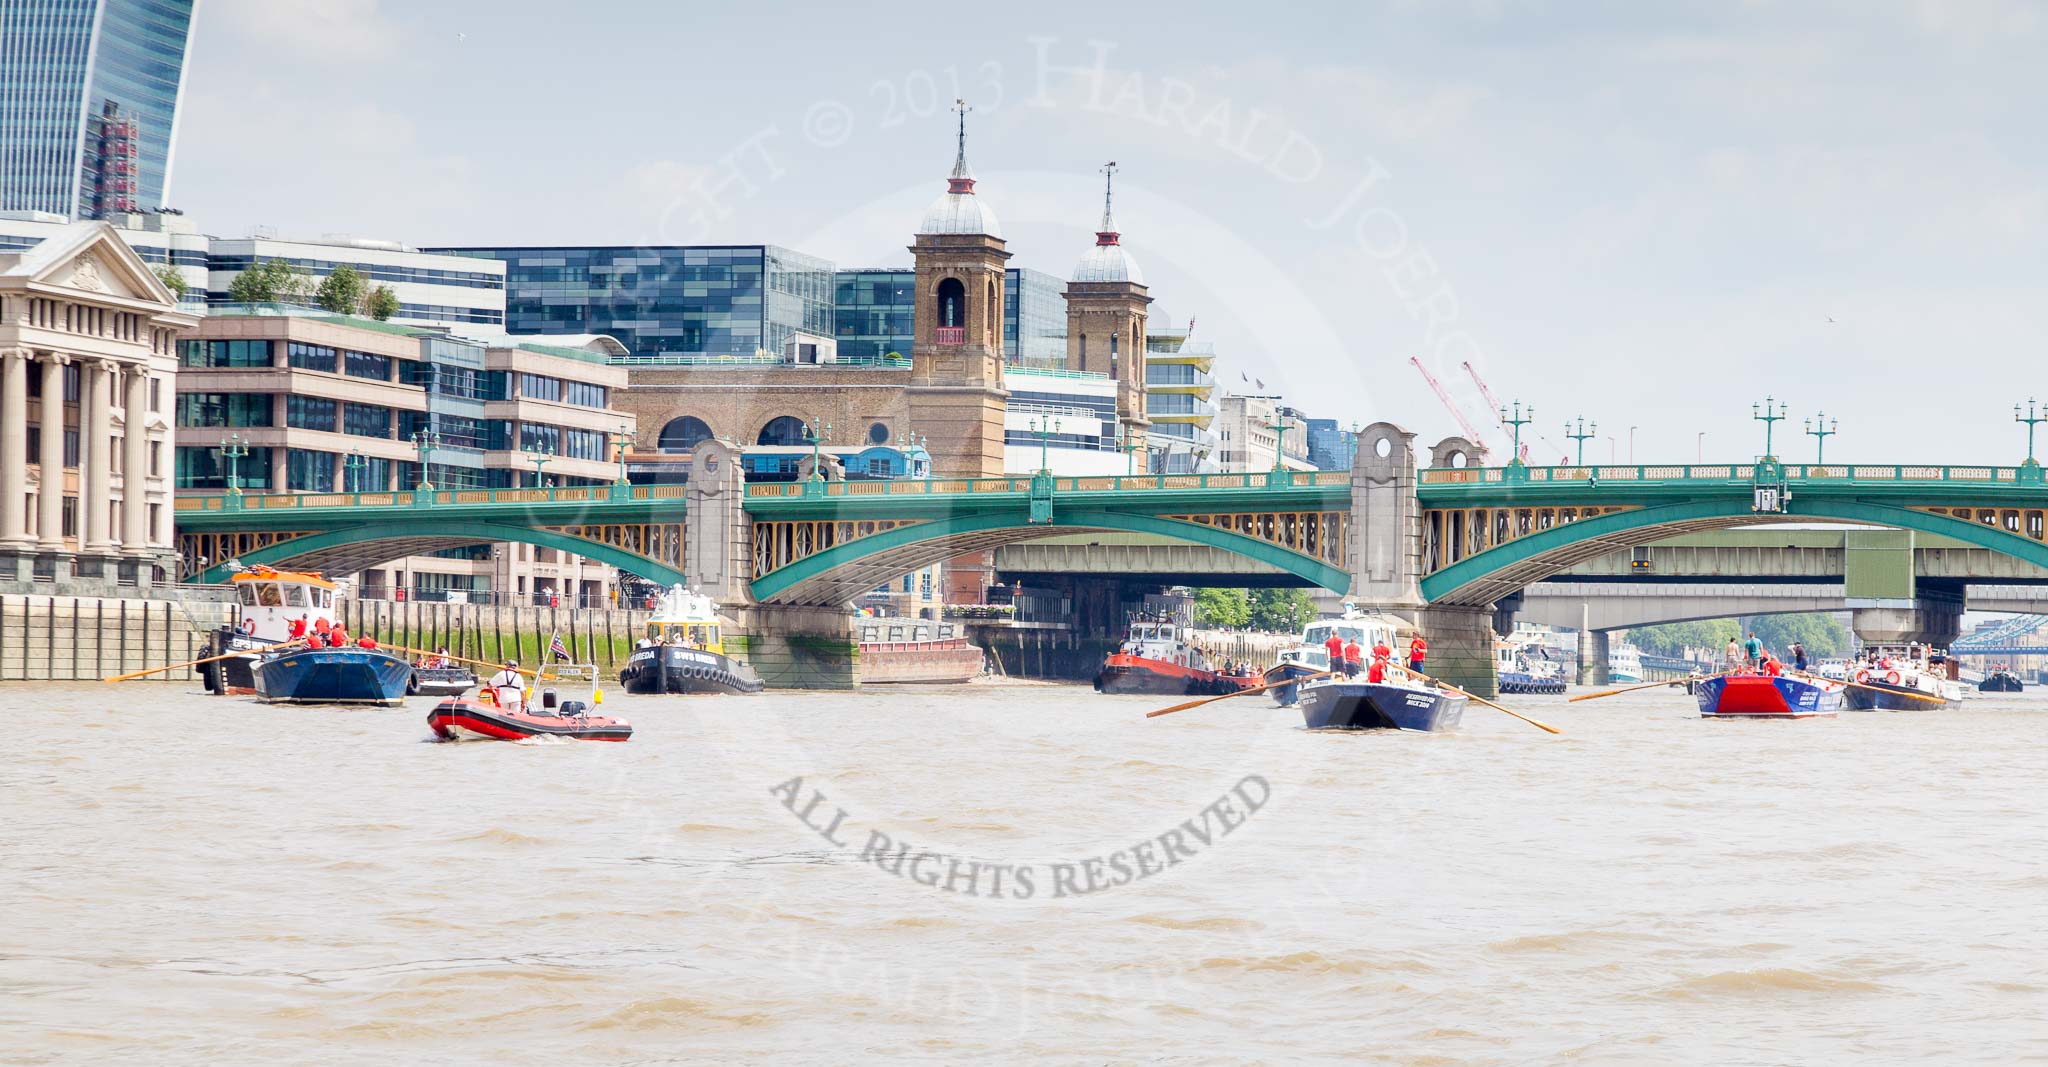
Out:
{"x": 1351, "y": 659}
{"x": 1335, "y": 647}
{"x": 1417, "y": 650}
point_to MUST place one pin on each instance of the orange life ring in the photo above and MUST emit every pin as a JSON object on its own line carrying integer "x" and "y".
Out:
{"x": 1862, "y": 676}
{"x": 1892, "y": 678}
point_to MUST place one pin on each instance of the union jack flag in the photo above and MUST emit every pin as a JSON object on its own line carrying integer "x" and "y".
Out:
{"x": 557, "y": 649}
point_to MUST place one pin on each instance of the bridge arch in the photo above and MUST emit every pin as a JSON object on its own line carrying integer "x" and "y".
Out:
{"x": 782, "y": 430}
{"x": 683, "y": 433}
{"x": 843, "y": 572}
{"x": 1480, "y": 579}
{"x": 358, "y": 548}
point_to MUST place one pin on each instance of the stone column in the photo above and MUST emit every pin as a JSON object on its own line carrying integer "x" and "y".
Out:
{"x": 1593, "y": 645}
{"x": 96, "y": 457}
{"x": 1461, "y": 647}
{"x": 1385, "y": 550}
{"x": 50, "y": 491}
{"x": 135, "y": 465}
{"x": 14, "y": 448}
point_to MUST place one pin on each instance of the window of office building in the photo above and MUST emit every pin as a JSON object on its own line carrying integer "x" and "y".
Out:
{"x": 540, "y": 438}
{"x": 583, "y": 444}
{"x": 368, "y": 365}
{"x": 308, "y": 472}
{"x": 224, "y": 409}
{"x": 309, "y": 413}
{"x": 540, "y": 387}
{"x": 203, "y": 467}
{"x": 372, "y": 476}
{"x": 584, "y": 394}
{"x": 224, "y": 353}
{"x": 311, "y": 357}
{"x": 366, "y": 420}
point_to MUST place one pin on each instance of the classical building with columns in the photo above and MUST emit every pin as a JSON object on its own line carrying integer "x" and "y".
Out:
{"x": 89, "y": 340}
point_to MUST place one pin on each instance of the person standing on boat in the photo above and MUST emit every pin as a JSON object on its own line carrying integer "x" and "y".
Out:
{"x": 1335, "y": 647}
{"x": 1753, "y": 649}
{"x": 1799, "y": 657}
{"x": 1734, "y": 654}
{"x": 1418, "y": 649}
{"x": 507, "y": 685}
{"x": 1351, "y": 659}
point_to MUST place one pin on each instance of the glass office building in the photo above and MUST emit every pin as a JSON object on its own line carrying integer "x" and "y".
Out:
{"x": 871, "y": 315}
{"x": 89, "y": 93}
{"x": 704, "y": 300}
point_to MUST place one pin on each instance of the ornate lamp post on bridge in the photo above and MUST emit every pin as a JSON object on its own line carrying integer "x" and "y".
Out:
{"x": 352, "y": 469}
{"x": 232, "y": 448}
{"x": 424, "y": 442}
{"x": 2030, "y": 471}
{"x": 1129, "y": 447}
{"x": 1043, "y": 427}
{"x": 815, "y": 484}
{"x": 621, "y": 437}
{"x": 1820, "y": 427}
{"x": 1278, "y": 475}
{"x": 1768, "y": 415}
{"x": 1517, "y": 470}
{"x": 540, "y": 457}
{"x": 1585, "y": 432}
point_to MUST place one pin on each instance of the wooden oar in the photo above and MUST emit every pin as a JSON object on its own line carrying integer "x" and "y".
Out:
{"x": 197, "y": 662}
{"x": 1537, "y": 723}
{"x": 1645, "y": 685}
{"x": 1239, "y": 693}
{"x": 459, "y": 659}
{"x": 1896, "y": 692}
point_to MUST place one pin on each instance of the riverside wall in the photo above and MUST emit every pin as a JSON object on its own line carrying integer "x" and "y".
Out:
{"x": 83, "y": 638}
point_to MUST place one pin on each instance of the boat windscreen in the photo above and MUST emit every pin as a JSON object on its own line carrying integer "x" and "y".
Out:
{"x": 267, "y": 595}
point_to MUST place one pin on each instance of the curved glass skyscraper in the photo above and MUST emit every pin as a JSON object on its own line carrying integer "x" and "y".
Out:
{"x": 89, "y": 94}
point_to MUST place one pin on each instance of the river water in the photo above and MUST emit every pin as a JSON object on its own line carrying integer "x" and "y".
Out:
{"x": 203, "y": 880}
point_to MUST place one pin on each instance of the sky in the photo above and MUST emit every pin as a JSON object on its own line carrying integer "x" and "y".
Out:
{"x": 1649, "y": 216}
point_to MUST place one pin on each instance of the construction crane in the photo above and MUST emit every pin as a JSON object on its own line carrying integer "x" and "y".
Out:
{"x": 1472, "y": 434}
{"x": 1494, "y": 406}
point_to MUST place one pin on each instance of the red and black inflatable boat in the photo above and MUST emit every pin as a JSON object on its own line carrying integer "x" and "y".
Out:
{"x": 460, "y": 719}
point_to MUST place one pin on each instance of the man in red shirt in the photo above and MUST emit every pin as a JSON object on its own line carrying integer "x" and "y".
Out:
{"x": 366, "y": 641}
{"x": 1417, "y": 650}
{"x": 1335, "y": 647}
{"x": 1351, "y": 658}
{"x": 337, "y": 637}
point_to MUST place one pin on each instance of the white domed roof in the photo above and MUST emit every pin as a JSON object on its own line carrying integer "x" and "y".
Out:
{"x": 961, "y": 212}
{"x": 1108, "y": 263}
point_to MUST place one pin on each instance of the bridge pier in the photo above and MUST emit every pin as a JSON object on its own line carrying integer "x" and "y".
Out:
{"x": 1460, "y": 647}
{"x": 800, "y": 647}
{"x": 1927, "y": 622}
{"x": 1593, "y": 668}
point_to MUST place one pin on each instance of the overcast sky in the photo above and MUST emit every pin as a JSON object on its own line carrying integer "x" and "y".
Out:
{"x": 1645, "y": 214}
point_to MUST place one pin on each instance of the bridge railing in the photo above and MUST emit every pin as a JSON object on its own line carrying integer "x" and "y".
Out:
{"x": 1723, "y": 473}
{"x": 408, "y": 498}
{"x": 1021, "y": 483}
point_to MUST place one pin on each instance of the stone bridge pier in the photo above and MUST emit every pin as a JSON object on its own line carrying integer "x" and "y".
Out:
{"x": 789, "y": 646}
{"x": 1386, "y": 554}
{"x": 1933, "y": 617}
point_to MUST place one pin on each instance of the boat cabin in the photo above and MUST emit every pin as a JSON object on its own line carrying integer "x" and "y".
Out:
{"x": 270, "y": 600}
{"x": 705, "y": 634}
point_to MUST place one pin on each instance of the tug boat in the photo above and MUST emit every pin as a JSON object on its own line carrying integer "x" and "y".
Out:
{"x": 271, "y": 601}
{"x": 1519, "y": 674}
{"x": 684, "y": 651}
{"x": 268, "y": 601}
{"x": 1902, "y": 678}
{"x": 485, "y": 719}
{"x": 1156, "y": 657}
{"x": 1763, "y": 696}
{"x": 2001, "y": 680}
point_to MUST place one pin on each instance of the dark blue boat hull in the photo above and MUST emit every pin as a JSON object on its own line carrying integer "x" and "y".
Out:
{"x": 1286, "y": 695}
{"x": 1347, "y": 705}
{"x": 333, "y": 676}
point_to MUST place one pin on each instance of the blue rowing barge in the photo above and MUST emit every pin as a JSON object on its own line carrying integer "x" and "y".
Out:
{"x": 1343, "y": 704}
{"x": 333, "y": 676}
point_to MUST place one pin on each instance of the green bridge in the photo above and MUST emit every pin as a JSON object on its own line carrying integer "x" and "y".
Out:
{"x": 1445, "y": 542}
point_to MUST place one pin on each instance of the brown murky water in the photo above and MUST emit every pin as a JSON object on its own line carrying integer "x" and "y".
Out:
{"x": 198, "y": 880}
